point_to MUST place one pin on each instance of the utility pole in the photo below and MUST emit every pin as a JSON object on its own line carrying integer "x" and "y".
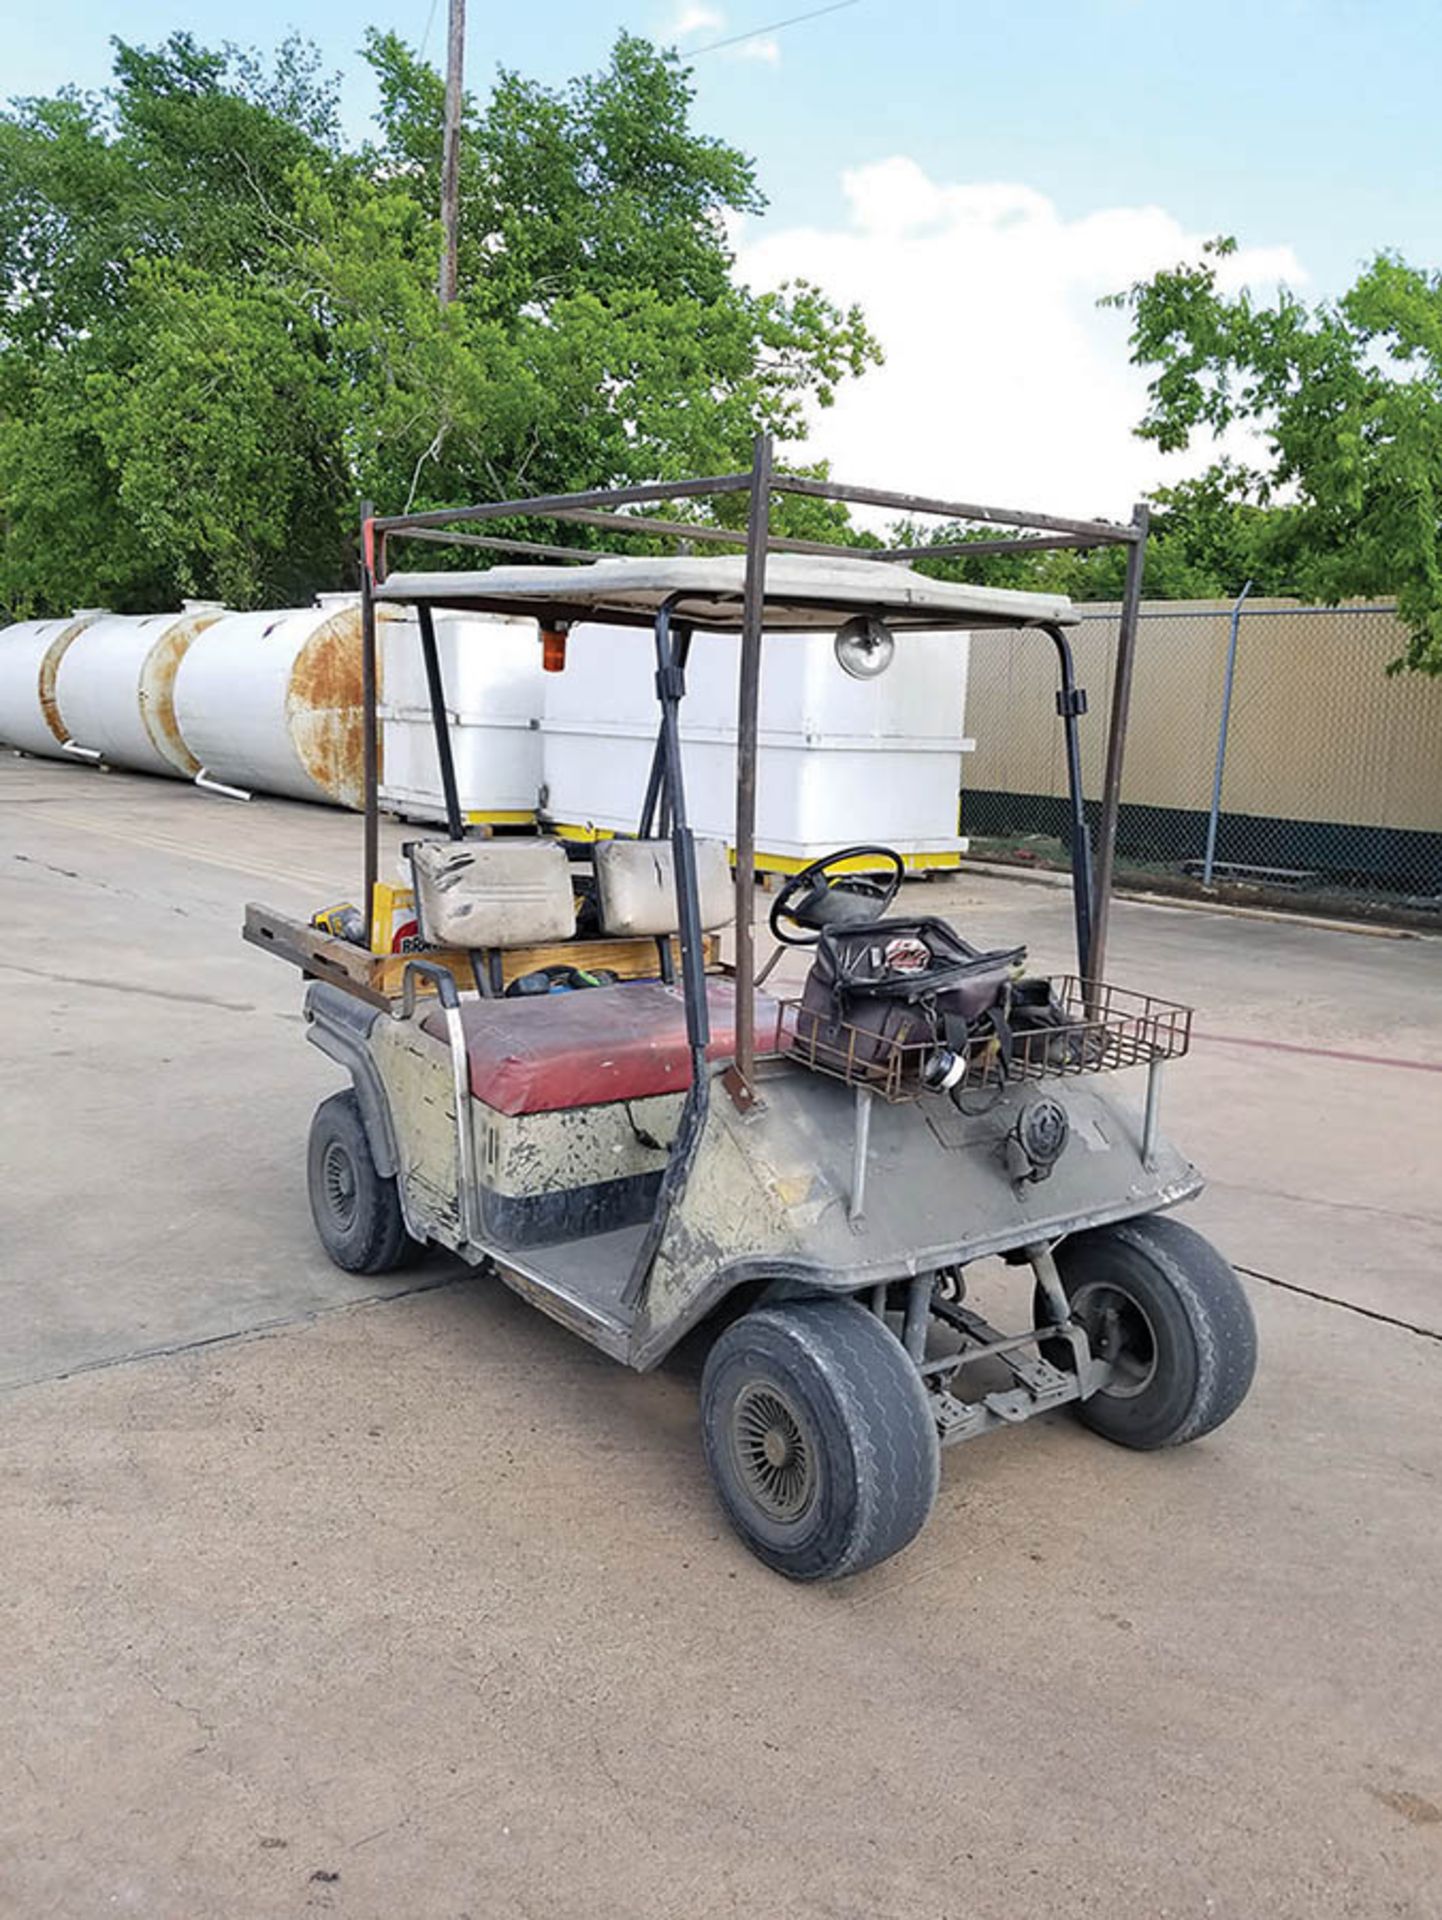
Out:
{"x": 451, "y": 153}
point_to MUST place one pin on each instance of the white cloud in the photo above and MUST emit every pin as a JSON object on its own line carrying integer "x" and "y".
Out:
{"x": 1003, "y": 381}
{"x": 693, "y": 16}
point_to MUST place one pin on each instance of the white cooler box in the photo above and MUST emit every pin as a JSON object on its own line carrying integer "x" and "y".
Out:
{"x": 841, "y": 760}
{"x": 491, "y": 677}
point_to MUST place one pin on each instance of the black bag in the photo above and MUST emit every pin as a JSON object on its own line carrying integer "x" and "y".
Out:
{"x": 857, "y": 1014}
{"x": 1045, "y": 1034}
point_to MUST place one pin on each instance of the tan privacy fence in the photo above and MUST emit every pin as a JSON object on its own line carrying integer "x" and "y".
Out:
{"x": 1267, "y": 742}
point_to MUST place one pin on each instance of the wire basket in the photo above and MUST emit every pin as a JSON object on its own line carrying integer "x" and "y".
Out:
{"x": 1104, "y": 1028}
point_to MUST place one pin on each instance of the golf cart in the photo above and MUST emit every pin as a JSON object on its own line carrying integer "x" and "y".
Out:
{"x": 811, "y": 1175}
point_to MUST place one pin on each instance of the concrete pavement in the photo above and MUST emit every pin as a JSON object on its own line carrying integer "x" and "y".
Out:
{"x": 416, "y": 1606}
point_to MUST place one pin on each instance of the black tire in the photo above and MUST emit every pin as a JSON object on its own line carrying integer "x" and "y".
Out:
{"x": 1163, "y": 1304}
{"x": 356, "y": 1209}
{"x": 856, "y": 1460}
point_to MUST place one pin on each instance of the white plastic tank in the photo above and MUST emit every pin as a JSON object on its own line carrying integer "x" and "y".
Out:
{"x": 115, "y": 688}
{"x": 270, "y": 702}
{"x": 841, "y": 761}
{"x": 492, "y": 681}
{"x": 30, "y": 657}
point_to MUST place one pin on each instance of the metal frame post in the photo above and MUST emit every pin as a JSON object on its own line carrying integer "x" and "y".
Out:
{"x": 1151, "y": 1118}
{"x": 370, "y": 768}
{"x": 1071, "y": 703}
{"x": 440, "y": 722}
{"x": 653, "y": 821}
{"x": 1116, "y": 745}
{"x": 670, "y": 690}
{"x": 758, "y": 524}
{"x": 1209, "y": 857}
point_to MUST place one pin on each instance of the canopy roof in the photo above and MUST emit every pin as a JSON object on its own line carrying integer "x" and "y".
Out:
{"x": 803, "y": 593}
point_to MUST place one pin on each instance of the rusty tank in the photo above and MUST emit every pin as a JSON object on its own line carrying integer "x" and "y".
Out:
{"x": 31, "y": 652}
{"x": 270, "y": 702}
{"x": 115, "y": 688}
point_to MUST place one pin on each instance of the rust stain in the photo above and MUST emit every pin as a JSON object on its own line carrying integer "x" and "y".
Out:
{"x": 50, "y": 667}
{"x": 323, "y": 708}
{"x": 1412, "y": 1807}
{"x": 157, "y": 687}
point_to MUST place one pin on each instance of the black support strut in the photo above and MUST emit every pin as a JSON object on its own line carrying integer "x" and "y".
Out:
{"x": 1071, "y": 703}
{"x": 440, "y": 722}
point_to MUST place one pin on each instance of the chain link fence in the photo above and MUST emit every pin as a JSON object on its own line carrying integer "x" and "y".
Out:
{"x": 1269, "y": 754}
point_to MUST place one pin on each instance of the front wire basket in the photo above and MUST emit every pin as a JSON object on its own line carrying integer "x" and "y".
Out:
{"x": 1103, "y": 1029}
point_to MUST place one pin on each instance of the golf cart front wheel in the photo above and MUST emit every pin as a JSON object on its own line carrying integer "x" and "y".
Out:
{"x": 356, "y": 1209}
{"x": 820, "y": 1439}
{"x": 1168, "y": 1316}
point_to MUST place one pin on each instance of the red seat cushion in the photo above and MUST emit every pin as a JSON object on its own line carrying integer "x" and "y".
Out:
{"x": 601, "y": 1043}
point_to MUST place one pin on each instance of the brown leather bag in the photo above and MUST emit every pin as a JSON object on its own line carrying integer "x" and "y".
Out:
{"x": 867, "y": 1021}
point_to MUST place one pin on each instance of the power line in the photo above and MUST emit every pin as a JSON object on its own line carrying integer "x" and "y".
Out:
{"x": 425, "y": 37}
{"x": 774, "y": 26}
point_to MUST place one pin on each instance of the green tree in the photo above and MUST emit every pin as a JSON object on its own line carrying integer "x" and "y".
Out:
{"x": 220, "y": 326}
{"x": 167, "y": 425}
{"x": 1345, "y": 397}
{"x": 1204, "y": 543}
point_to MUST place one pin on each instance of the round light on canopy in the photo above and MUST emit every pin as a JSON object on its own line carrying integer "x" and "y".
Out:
{"x": 865, "y": 646}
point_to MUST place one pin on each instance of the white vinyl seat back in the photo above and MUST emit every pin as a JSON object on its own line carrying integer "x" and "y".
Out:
{"x": 493, "y": 893}
{"x": 636, "y": 886}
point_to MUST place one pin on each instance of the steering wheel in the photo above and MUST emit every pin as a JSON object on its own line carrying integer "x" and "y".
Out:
{"x": 816, "y": 898}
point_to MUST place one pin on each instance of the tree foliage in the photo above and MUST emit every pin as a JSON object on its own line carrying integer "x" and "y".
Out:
{"x": 220, "y": 327}
{"x": 1345, "y": 402}
{"x": 1346, "y": 399}
{"x": 1204, "y": 543}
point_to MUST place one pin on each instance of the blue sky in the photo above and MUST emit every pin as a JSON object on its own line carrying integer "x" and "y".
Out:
{"x": 1309, "y": 128}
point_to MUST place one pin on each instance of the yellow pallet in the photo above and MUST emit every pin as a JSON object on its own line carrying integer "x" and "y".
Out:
{"x": 913, "y": 863}
{"x": 937, "y": 862}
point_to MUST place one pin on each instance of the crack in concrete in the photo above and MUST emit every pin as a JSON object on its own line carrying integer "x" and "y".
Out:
{"x": 1347, "y": 1306}
{"x": 1321, "y": 1200}
{"x": 95, "y": 880}
{"x": 262, "y": 1329}
{"x": 207, "y": 1727}
{"x": 130, "y": 986}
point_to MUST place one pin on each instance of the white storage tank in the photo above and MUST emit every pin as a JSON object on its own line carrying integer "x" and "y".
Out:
{"x": 841, "y": 760}
{"x": 115, "y": 688}
{"x": 270, "y": 702}
{"x": 30, "y": 657}
{"x": 492, "y": 681}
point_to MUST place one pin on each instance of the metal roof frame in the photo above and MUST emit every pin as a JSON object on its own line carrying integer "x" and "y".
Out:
{"x": 601, "y": 509}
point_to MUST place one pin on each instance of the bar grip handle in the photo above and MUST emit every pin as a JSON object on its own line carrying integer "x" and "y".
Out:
{"x": 445, "y": 981}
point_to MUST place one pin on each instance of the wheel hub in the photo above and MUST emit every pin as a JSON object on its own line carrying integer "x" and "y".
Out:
{"x": 1121, "y": 1335}
{"x": 773, "y": 1452}
{"x": 338, "y": 1180}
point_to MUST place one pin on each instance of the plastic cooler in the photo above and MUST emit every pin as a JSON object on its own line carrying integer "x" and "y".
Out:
{"x": 491, "y": 676}
{"x": 841, "y": 760}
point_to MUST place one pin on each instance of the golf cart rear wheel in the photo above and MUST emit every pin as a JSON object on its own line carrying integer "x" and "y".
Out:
{"x": 1167, "y": 1313}
{"x": 819, "y": 1436}
{"x": 357, "y": 1210}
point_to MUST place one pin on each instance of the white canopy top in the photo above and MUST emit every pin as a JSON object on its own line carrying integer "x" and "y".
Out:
{"x": 803, "y": 592}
